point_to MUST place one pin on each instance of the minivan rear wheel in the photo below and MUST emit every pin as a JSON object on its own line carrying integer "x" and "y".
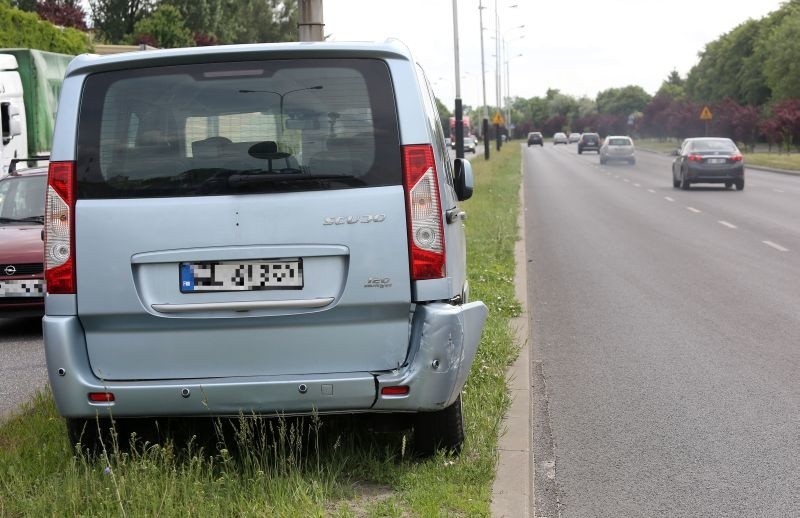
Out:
{"x": 440, "y": 430}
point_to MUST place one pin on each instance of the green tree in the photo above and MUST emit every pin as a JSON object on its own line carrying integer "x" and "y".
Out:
{"x": 259, "y": 21}
{"x": 622, "y": 101}
{"x": 204, "y": 18}
{"x": 165, "y": 28}
{"x": 25, "y": 5}
{"x": 782, "y": 61}
{"x": 114, "y": 20}
{"x": 673, "y": 87}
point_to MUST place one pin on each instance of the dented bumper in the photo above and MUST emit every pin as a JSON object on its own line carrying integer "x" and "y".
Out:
{"x": 444, "y": 340}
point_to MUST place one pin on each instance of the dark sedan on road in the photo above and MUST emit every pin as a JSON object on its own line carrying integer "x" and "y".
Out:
{"x": 535, "y": 138}
{"x": 589, "y": 142}
{"x": 708, "y": 160}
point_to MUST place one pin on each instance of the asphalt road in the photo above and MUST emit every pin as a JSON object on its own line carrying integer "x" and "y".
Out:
{"x": 22, "y": 367}
{"x": 665, "y": 327}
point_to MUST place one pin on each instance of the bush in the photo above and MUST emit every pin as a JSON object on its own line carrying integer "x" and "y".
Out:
{"x": 20, "y": 29}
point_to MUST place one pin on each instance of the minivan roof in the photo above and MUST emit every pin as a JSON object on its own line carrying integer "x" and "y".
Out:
{"x": 391, "y": 48}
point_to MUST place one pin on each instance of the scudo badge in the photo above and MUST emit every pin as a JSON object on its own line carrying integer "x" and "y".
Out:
{"x": 351, "y": 220}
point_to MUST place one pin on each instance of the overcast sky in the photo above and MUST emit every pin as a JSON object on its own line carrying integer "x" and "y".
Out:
{"x": 580, "y": 47}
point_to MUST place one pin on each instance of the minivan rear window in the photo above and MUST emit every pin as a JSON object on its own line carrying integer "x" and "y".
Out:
{"x": 238, "y": 128}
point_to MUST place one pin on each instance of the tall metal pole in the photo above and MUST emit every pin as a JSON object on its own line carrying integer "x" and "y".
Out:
{"x": 485, "y": 125}
{"x": 459, "y": 108}
{"x": 310, "y": 26}
{"x": 508, "y": 96}
{"x": 497, "y": 71}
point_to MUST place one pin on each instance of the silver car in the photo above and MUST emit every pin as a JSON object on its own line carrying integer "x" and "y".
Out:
{"x": 259, "y": 229}
{"x": 620, "y": 148}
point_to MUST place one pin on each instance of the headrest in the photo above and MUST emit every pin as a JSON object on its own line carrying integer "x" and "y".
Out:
{"x": 212, "y": 147}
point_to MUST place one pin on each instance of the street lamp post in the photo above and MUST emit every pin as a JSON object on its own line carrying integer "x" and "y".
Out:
{"x": 459, "y": 108}
{"x": 281, "y": 96}
{"x": 497, "y": 72}
{"x": 485, "y": 125}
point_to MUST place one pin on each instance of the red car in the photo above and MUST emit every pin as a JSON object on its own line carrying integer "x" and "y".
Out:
{"x": 22, "y": 195}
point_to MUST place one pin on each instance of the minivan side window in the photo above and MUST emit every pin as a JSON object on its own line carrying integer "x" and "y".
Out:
{"x": 238, "y": 128}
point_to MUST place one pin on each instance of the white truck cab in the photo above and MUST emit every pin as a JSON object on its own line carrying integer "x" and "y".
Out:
{"x": 12, "y": 112}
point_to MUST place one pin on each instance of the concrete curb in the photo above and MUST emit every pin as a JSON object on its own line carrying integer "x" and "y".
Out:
{"x": 512, "y": 492}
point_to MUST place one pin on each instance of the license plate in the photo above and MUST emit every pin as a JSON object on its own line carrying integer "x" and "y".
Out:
{"x": 716, "y": 160}
{"x": 279, "y": 274}
{"x": 22, "y": 288}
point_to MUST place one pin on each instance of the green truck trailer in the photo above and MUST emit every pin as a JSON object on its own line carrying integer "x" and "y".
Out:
{"x": 30, "y": 84}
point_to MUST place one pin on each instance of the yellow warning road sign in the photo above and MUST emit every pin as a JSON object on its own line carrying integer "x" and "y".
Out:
{"x": 498, "y": 119}
{"x": 705, "y": 115}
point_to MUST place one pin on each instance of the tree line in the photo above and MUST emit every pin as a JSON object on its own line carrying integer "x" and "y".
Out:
{"x": 172, "y": 23}
{"x": 749, "y": 78}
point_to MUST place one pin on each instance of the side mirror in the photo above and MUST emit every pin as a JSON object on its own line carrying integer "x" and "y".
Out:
{"x": 14, "y": 125}
{"x": 676, "y": 152}
{"x": 464, "y": 182}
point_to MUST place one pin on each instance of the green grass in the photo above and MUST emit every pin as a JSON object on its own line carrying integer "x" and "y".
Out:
{"x": 774, "y": 159}
{"x": 308, "y": 467}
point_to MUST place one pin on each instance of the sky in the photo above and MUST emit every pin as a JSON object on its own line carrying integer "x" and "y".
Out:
{"x": 580, "y": 47}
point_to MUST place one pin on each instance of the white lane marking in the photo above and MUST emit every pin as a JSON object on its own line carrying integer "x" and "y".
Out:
{"x": 636, "y": 185}
{"x": 668, "y": 198}
{"x": 778, "y": 190}
{"x": 776, "y": 246}
{"x": 651, "y": 190}
{"x": 626, "y": 180}
{"x": 616, "y": 176}
{"x": 696, "y": 211}
{"x": 726, "y": 224}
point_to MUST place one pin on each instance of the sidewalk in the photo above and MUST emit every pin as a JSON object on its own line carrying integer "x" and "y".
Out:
{"x": 512, "y": 492}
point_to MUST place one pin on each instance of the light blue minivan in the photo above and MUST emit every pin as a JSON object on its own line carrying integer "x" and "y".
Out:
{"x": 260, "y": 229}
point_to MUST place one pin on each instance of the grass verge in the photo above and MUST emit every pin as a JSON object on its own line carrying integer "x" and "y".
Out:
{"x": 760, "y": 157}
{"x": 300, "y": 467}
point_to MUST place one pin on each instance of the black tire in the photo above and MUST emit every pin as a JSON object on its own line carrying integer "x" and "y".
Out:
{"x": 580, "y": 151}
{"x": 675, "y": 183}
{"x": 684, "y": 182}
{"x": 739, "y": 184}
{"x": 441, "y": 430}
{"x": 728, "y": 185}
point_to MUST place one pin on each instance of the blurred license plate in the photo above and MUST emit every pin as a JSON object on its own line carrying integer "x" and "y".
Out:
{"x": 716, "y": 160}
{"x": 282, "y": 274}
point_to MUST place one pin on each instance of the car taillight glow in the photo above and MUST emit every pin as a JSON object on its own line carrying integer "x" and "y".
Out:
{"x": 59, "y": 227}
{"x": 695, "y": 158}
{"x": 737, "y": 157}
{"x": 423, "y": 213}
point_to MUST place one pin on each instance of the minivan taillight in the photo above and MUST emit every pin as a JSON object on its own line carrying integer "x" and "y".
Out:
{"x": 423, "y": 213}
{"x": 59, "y": 228}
